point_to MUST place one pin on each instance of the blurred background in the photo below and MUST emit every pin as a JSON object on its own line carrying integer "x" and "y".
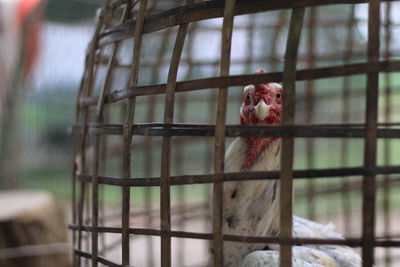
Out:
{"x": 53, "y": 46}
{"x": 42, "y": 62}
{"x": 42, "y": 50}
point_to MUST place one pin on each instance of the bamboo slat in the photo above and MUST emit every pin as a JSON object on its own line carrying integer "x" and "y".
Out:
{"x": 210, "y": 10}
{"x": 149, "y": 147}
{"x": 336, "y": 130}
{"x": 165, "y": 196}
{"x": 180, "y": 159}
{"x": 227, "y": 177}
{"x": 219, "y": 141}
{"x": 127, "y": 134}
{"x": 286, "y": 173}
{"x": 96, "y": 151}
{"x": 352, "y": 242}
{"x": 241, "y": 80}
{"x": 371, "y": 117}
{"x": 86, "y": 90}
{"x": 388, "y": 181}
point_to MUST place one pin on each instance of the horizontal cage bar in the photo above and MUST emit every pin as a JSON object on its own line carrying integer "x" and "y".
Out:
{"x": 208, "y": 10}
{"x": 242, "y": 80}
{"x": 242, "y": 176}
{"x": 204, "y": 130}
{"x": 352, "y": 242}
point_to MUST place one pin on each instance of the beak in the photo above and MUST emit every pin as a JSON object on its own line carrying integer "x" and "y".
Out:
{"x": 262, "y": 110}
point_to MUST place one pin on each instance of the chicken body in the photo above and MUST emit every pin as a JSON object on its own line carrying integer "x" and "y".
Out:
{"x": 251, "y": 207}
{"x": 304, "y": 256}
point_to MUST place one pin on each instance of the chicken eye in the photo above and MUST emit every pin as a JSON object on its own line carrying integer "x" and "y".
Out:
{"x": 278, "y": 95}
{"x": 248, "y": 97}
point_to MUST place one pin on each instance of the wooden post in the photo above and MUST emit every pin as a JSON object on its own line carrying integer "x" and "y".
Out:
{"x": 32, "y": 230}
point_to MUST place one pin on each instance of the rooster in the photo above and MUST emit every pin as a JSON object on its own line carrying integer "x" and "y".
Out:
{"x": 252, "y": 207}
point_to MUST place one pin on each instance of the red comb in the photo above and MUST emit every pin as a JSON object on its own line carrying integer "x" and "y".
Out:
{"x": 262, "y": 86}
{"x": 260, "y": 71}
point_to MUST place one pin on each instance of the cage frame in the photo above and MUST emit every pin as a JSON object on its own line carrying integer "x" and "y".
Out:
{"x": 182, "y": 17}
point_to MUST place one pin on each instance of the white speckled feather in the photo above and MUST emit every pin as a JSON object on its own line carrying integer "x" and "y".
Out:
{"x": 255, "y": 205}
{"x": 270, "y": 258}
{"x": 254, "y": 211}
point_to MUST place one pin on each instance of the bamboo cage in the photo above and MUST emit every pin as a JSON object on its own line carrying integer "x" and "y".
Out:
{"x": 158, "y": 104}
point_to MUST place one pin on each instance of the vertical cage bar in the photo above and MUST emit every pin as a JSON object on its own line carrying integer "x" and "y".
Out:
{"x": 369, "y": 183}
{"x": 165, "y": 182}
{"x": 180, "y": 156}
{"x": 346, "y": 203}
{"x": 76, "y": 168}
{"x": 286, "y": 173}
{"x": 181, "y": 190}
{"x": 95, "y": 201}
{"x": 83, "y": 145}
{"x": 88, "y": 220}
{"x": 86, "y": 90}
{"x": 219, "y": 145}
{"x": 310, "y": 103}
{"x": 149, "y": 147}
{"x": 127, "y": 133}
{"x": 75, "y": 145}
{"x": 387, "y": 150}
{"x": 103, "y": 168}
{"x": 96, "y": 156}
